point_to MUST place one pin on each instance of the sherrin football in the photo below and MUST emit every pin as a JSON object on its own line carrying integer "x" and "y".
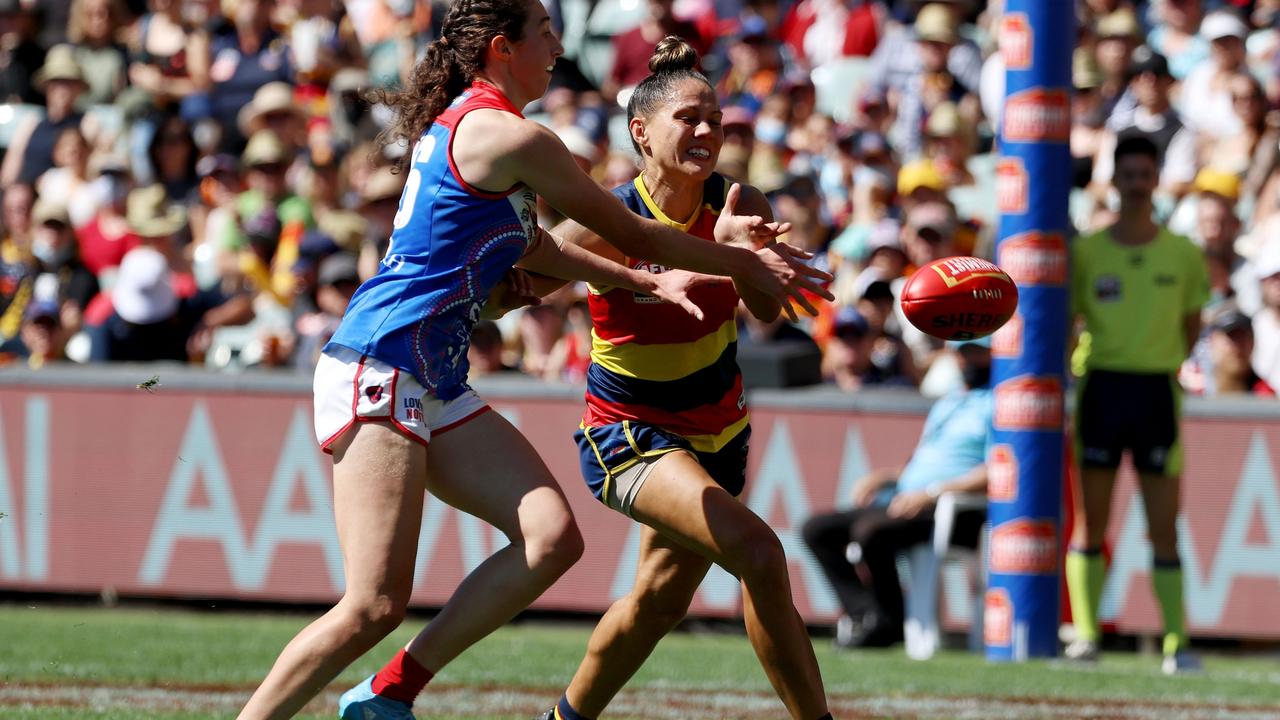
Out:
{"x": 959, "y": 298}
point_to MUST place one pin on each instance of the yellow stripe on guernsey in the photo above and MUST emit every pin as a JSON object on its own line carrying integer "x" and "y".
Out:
{"x": 661, "y": 216}
{"x": 666, "y": 361}
{"x": 713, "y": 443}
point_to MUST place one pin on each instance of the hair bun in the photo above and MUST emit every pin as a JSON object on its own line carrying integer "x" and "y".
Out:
{"x": 673, "y": 54}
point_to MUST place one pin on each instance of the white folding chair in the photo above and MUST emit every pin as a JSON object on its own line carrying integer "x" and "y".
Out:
{"x": 921, "y": 628}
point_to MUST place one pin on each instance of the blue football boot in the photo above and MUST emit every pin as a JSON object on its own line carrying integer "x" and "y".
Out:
{"x": 361, "y": 703}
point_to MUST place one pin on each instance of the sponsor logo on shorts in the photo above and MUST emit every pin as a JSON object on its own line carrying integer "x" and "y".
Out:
{"x": 1002, "y": 475}
{"x": 1015, "y": 41}
{"x": 1038, "y": 115}
{"x": 1028, "y": 402}
{"x": 1013, "y": 186}
{"x": 997, "y": 618}
{"x": 1035, "y": 258}
{"x": 413, "y": 409}
{"x": 374, "y": 393}
{"x": 1024, "y": 547}
{"x": 1007, "y": 341}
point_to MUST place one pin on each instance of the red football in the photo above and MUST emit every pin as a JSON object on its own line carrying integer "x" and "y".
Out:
{"x": 959, "y": 298}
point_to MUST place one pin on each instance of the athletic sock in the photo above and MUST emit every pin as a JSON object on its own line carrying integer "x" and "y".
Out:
{"x": 1166, "y": 578}
{"x": 1086, "y": 572}
{"x": 565, "y": 711}
{"x": 402, "y": 678}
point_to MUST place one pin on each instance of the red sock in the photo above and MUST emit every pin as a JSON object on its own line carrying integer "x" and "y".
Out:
{"x": 402, "y": 678}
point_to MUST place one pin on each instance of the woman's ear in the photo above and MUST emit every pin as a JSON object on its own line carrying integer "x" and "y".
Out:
{"x": 500, "y": 48}
{"x": 639, "y": 133}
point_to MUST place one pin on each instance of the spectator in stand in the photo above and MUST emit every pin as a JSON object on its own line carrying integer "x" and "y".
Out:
{"x": 266, "y": 161}
{"x": 379, "y": 201}
{"x": 16, "y": 263}
{"x": 920, "y": 182}
{"x": 1230, "y": 370}
{"x": 150, "y": 322}
{"x": 336, "y": 281}
{"x": 859, "y": 356}
{"x": 948, "y": 142}
{"x": 1177, "y": 36}
{"x": 323, "y": 186}
{"x": 274, "y": 108}
{"x": 1155, "y": 119}
{"x": 1216, "y": 230}
{"x": 96, "y": 29}
{"x": 1117, "y": 34}
{"x": 633, "y": 48}
{"x": 30, "y": 152}
{"x": 43, "y": 339}
{"x": 929, "y": 234}
{"x": 571, "y": 355}
{"x": 69, "y": 175}
{"x": 23, "y": 55}
{"x": 898, "y": 61}
{"x": 172, "y": 155}
{"x": 936, "y": 34}
{"x": 57, "y": 254}
{"x": 486, "y": 351}
{"x": 1088, "y": 118}
{"x": 799, "y": 203}
{"x": 165, "y": 72}
{"x": 244, "y": 53}
{"x": 754, "y": 66}
{"x": 893, "y": 508}
{"x": 1252, "y": 154}
{"x": 1205, "y": 98}
{"x": 1266, "y": 322}
{"x": 213, "y": 218}
{"x": 821, "y": 31}
{"x": 106, "y": 236}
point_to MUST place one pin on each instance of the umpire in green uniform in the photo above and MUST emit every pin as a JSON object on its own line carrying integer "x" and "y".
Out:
{"x": 1136, "y": 293}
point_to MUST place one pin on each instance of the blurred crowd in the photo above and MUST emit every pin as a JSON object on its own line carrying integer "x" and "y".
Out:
{"x": 200, "y": 181}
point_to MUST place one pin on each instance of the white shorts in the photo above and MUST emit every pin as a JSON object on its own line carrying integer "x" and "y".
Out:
{"x": 351, "y": 388}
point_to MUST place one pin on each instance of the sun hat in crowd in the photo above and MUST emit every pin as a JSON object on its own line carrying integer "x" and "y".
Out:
{"x": 1219, "y": 182}
{"x": 149, "y": 213}
{"x": 264, "y": 148}
{"x": 1223, "y": 24}
{"x": 47, "y": 211}
{"x": 59, "y": 64}
{"x": 936, "y": 23}
{"x": 1085, "y": 74}
{"x": 272, "y": 97}
{"x": 1120, "y": 23}
{"x": 143, "y": 293}
{"x": 918, "y": 174}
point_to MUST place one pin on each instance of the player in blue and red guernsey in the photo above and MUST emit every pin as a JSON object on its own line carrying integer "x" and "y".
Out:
{"x": 393, "y": 379}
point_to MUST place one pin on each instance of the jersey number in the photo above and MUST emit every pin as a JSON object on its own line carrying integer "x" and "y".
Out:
{"x": 421, "y": 154}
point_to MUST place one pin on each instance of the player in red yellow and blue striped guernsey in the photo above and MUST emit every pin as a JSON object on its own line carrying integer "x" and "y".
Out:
{"x": 665, "y": 432}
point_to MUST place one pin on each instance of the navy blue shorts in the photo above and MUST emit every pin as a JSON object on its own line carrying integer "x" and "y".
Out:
{"x": 606, "y": 451}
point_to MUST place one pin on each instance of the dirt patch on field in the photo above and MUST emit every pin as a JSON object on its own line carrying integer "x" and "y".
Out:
{"x": 522, "y": 703}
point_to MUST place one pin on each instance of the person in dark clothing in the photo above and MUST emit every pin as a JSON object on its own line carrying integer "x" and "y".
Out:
{"x": 150, "y": 322}
{"x": 31, "y": 151}
{"x": 893, "y": 508}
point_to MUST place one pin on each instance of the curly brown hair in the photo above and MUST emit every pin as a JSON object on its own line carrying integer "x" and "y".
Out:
{"x": 449, "y": 65}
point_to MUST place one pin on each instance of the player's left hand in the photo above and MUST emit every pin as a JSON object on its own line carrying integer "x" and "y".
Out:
{"x": 909, "y": 504}
{"x": 673, "y": 286}
{"x": 515, "y": 290}
{"x": 748, "y": 231}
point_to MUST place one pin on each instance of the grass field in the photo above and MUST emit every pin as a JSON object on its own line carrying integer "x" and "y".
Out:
{"x": 58, "y": 663}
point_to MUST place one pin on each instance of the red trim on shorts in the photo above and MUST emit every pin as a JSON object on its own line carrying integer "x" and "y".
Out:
{"x": 395, "y": 377}
{"x": 326, "y": 446}
{"x": 453, "y": 425}
{"x": 355, "y": 390}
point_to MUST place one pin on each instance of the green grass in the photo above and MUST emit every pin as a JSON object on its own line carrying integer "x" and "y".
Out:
{"x": 158, "y": 648}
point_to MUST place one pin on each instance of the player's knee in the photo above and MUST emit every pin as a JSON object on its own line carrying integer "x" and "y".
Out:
{"x": 757, "y": 552}
{"x": 556, "y": 546}
{"x": 378, "y": 614}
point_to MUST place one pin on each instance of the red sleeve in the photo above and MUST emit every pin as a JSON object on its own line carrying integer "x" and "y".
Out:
{"x": 860, "y": 32}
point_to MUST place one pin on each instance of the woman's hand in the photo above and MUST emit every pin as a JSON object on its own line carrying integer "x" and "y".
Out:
{"x": 783, "y": 267}
{"x": 748, "y": 231}
{"x": 515, "y": 290}
{"x": 673, "y": 286}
